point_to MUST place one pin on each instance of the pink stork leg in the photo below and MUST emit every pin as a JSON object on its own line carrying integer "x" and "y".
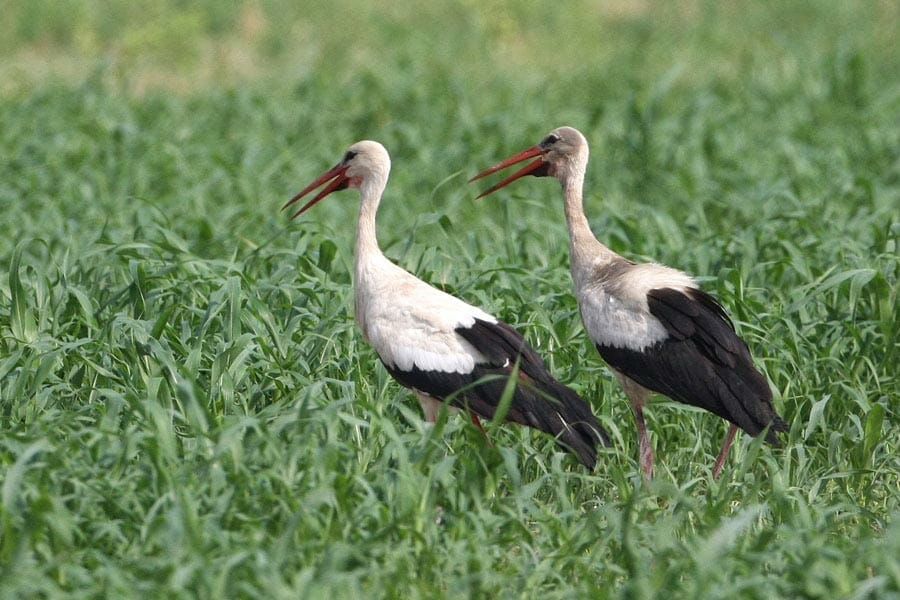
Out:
{"x": 637, "y": 395}
{"x": 477, "y": 423}
{"x": 723, "y": 454}
{"x": 645, "y": 452}
{"x": 432, "y": 407}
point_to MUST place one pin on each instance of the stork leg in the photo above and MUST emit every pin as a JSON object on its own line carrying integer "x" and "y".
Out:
{"x": 477, "y": 423}
{"x": 645, "y": 452}
{"x": 637, "y": 395}
{"x": 723, "y": 454}
{"x": 430, "y": 406}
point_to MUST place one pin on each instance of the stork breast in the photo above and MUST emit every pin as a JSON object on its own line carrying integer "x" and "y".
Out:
{"x": 619, "y": 322}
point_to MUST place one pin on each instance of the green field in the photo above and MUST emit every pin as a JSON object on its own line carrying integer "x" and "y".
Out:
{"x": 187, "y": 409}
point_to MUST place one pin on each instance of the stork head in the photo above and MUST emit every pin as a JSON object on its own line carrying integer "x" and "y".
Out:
{"x": 563, "y": 153}
{"x": 365, "y": 164}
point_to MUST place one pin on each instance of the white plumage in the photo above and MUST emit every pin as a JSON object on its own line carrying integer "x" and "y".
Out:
{"x": 615, "y": 312}
{"x": 652, "y": 324}
{"x": 439, "y": 346}
{"x": 411, "y": 324}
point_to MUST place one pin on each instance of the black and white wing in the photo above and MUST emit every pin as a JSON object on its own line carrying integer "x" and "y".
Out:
{"x": 652, "y": 324}
{"x": 701, "y": 361}
{"x": 440, "y": 346}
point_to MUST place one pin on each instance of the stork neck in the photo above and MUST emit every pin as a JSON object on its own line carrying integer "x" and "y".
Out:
{"x": 366, "y": 238}
{"x": 580, "y": 234}
{"x": 585, "y": 250}
{"x": 367, "y": 256}
{"x": 582, "y": 241}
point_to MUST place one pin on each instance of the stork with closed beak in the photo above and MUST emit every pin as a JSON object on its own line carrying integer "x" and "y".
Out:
{"x": 439, "y": 346}
{"x": 654, "y": 327}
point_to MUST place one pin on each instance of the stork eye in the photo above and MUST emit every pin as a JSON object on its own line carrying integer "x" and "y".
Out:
{"x": 349, "y": 156}
{"x": 550, "y": 140}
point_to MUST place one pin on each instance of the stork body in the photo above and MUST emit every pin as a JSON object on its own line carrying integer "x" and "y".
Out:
{"x": 439, "y": 346}
{"x": 657, "y": 330}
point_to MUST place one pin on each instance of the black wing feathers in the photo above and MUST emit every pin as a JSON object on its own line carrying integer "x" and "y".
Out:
{"x": 501, "y": 344}
{"x": 539, "y": 401}
{"x": 703, "y": 363}
{"x": 697, "y": 315}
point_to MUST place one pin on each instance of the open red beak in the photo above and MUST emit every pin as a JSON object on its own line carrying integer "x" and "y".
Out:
{"x": 337, "y": 173}
{"x": 537, "y": 167}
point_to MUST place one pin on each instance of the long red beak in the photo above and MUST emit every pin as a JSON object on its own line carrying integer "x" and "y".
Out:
{"x": 516, "y": 158}
{"x": 339, "y": 175}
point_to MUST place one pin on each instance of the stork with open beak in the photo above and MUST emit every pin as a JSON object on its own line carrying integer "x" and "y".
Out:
{"x": 652, "y": 324}
{"x": 439, "y": 346}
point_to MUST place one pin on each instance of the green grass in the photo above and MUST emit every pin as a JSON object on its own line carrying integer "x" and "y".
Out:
{"x": 187, "y": 409}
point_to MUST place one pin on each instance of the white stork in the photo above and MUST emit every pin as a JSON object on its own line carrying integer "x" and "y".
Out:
{"x": 439, "y": 346}
{"x": 654, "y": 327}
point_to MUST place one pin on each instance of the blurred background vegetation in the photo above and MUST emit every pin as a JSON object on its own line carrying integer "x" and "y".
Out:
{"x": 141, "y": 46}
{"x": 680, "y": 99}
